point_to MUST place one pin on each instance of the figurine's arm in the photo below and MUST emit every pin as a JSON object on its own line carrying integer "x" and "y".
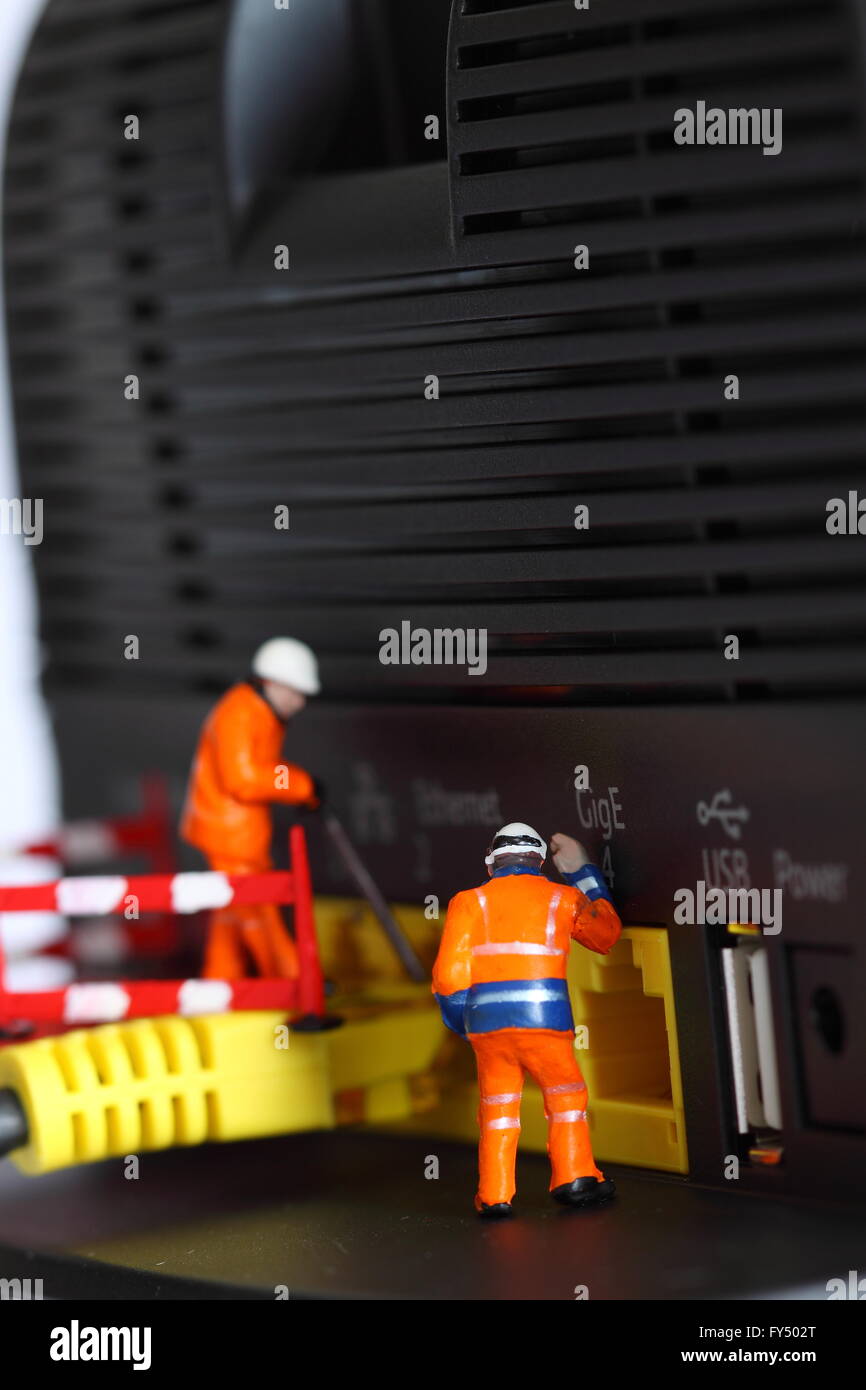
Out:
{"x": 596, "y": 922}
{"x": 452, "y": 973}
{"x": 248, "y": 781}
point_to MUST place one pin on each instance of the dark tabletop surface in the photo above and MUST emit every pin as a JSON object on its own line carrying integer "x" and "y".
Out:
{"x": 351, "y": 1215}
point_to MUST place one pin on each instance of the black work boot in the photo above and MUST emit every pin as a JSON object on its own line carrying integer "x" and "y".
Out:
{"x": 584, "y": 1192}
{"x": 494, "y": 1211}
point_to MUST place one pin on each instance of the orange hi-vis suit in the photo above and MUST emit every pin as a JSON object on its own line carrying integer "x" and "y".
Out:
{"x": 500, "y": 979}
{"x": 236, "y": 773}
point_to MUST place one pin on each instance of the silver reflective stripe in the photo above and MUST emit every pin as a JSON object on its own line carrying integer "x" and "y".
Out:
{"x": 482, "y": 902}
{"x": 558, "y": 1090}
{"x": 506, "y": 1099}
{"x": 519, "y": 996}
{"x": 570, "y": 1117}
{"x": 551, "y": 916}
{"x": 515, "y": 948}
{"x": 502, "y": 1124}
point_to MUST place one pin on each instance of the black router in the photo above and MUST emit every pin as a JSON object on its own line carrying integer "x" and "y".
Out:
{"x": 542, "y": 322}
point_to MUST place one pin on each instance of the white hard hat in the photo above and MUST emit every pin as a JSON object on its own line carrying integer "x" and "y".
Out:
{"x": 516, "y": 838}
{"x": 288, "y": 662}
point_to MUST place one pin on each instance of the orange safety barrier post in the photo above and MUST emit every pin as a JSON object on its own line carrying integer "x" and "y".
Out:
{"x": 311, "y": 991}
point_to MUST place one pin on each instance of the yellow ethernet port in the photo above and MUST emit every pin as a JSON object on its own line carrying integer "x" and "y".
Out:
{"x": 627, "y": 1047}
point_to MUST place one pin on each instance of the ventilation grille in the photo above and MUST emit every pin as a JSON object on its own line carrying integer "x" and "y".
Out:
{"x": 558, "y": 387}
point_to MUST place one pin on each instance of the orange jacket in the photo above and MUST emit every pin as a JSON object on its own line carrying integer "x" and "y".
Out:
{"x": 234, "y": 778}
{"x": 517, "y": 928}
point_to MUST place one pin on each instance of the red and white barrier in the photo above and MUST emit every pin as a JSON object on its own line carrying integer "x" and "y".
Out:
{"x": 148, "y": 835}
{"x": 110, "y": 1001}
{"x": 182, "y": 893}
{"x": 94, "y": 841}
{"x": 99, "y": 1002}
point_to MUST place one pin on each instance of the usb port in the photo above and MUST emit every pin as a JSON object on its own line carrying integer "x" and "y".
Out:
{"x": 752, "y": 1040}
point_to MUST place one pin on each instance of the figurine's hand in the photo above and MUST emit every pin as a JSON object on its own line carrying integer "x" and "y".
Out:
{"x": 568, "y": 855}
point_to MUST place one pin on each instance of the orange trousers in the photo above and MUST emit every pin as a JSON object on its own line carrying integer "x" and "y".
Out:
{"x": 254, "y": 932}
{"x": 548, "y": 1056}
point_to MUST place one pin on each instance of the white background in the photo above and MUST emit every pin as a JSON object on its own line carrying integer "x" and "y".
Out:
{"x": 29, "y": 796}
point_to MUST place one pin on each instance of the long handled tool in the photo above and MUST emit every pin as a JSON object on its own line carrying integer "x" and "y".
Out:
{"x": 392, "y": 929}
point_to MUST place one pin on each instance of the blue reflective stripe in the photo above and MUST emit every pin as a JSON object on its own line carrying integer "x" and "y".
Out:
{"x": 519, "y": 1004}
{"x": 590, "y": 880}
{"x": 452, "y": 1008}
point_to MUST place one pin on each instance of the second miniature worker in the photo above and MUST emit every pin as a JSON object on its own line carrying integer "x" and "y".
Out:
{"x": 237, "y": 773}
{"x": 500, "y": 980}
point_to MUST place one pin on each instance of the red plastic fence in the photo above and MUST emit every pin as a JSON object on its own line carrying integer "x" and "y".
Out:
{"x": 148, "y": 835}
{"x": 107, "y": 1001}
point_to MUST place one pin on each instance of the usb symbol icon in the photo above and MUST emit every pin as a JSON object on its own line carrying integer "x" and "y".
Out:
{"x": 730, "y": 817}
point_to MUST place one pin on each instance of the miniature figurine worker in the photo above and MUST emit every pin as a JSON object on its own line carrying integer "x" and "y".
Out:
{"x": 500, "y": 981}
{"x": 237, "y": 772}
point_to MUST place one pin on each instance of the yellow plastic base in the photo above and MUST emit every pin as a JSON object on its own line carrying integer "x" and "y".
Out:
{"x": 124, "y": 1088}
{"x": 155, "y": 1083}
{"x": 355, "y": 950}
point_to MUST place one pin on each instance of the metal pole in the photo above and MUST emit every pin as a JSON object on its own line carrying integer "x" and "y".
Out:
{"x": 392, "y": 929}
